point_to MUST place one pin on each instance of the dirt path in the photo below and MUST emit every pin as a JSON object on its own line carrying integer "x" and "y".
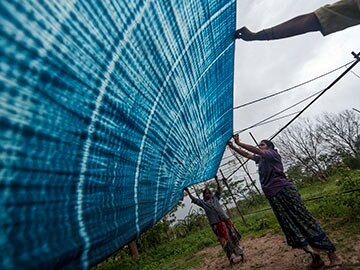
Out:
{"x": 272, "y": 252}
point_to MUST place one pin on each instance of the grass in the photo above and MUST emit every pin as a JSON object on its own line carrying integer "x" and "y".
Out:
{"x": 163, "y": 256}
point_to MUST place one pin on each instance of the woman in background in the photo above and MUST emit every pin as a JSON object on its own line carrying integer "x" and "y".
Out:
{"x": 228, "y": 236}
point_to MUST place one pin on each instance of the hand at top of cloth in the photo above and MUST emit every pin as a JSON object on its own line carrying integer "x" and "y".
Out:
{"x": 236, "y": 138}
{"x": 244, "y": 33}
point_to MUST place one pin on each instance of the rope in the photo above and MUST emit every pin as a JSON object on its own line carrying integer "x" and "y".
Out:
{"x": 310, "y": 199}
{"x": 293, "y": 87}
{"x": 276, "y": 114}
{"x": 322, "y": 92}
{"x": 307, "y": 106}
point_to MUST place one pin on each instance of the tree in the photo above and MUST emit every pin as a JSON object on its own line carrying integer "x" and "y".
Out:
{"x": 194, "y": 220}
{"x": 155, "y": 235}
{"x": 297, "y": 173}
{"x": 341, "y": 133}
{"x": 303, "y": 144}
{"x": 134, "y": 250}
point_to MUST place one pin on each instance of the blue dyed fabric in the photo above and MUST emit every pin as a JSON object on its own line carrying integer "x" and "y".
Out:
{"x": 108, "y": 109}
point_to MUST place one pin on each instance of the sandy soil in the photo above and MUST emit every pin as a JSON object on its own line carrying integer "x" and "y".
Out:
{"x": 272, "y": 252}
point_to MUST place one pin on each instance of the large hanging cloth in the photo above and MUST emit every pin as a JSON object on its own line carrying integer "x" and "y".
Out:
{"x": 108, "y": 109}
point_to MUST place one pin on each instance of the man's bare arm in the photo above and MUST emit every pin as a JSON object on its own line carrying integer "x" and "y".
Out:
{"x": 296, "y": 26}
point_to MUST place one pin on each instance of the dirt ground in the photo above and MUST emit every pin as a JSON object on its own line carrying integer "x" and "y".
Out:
{"x": 272, "y": 252}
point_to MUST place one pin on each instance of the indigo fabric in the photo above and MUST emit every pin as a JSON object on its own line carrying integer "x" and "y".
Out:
{"x": 108, "y": 109}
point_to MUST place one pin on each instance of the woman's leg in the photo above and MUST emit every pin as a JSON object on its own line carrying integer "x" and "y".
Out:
{"x": 335, "y": 260}
{"x": 221, "y": 233}
{"x": 229, "y": 244}
{"x": 316, "y": 262}
{"x": 300, "y": 228}
{"x": 234, "y": 238}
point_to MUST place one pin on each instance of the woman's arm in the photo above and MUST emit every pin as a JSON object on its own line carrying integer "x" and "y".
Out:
{"x": 218, "y": 184}
{"x": 248, "y": 147}
{"x": 240, "y": 151}
{"x": 188, "y": 192}
{"x": 193, "y": 199}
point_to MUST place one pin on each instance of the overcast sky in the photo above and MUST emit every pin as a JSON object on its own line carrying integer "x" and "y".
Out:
{"x": 266, "y": 67}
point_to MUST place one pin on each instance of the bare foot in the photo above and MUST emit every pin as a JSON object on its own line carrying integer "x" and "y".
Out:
{"x": 236, "y": 259}
{"x": 335, "y": 261}
{"x": 316, "y": 262}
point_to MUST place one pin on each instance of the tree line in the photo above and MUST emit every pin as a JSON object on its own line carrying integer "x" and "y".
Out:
{"x": 311, "y": 148}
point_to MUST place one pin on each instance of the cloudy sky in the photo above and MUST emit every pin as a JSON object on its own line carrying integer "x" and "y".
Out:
{"x": 266, "y": 67}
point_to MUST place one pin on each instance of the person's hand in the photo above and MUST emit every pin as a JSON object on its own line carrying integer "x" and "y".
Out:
{"x": 244, "y": 33}
{"x": 236, "y": 138}
{"x": 230, "y": 144}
